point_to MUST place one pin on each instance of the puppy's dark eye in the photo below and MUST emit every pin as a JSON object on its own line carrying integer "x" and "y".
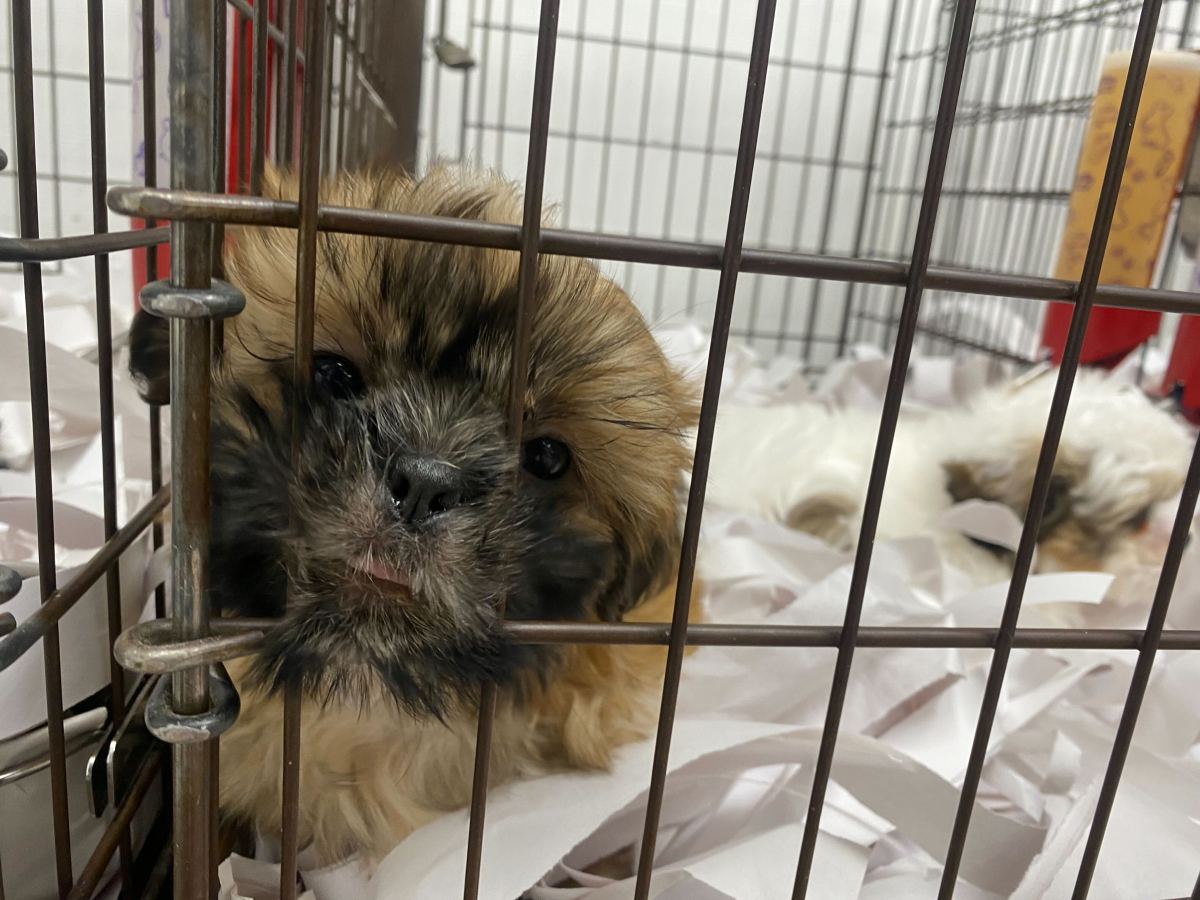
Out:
{"x": 546, "y": 458}
{"x": 1139, "y": 520}
{"x": 336, "y": 376}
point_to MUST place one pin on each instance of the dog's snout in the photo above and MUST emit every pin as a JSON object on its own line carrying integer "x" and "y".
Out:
{"x": 423, "y": 487}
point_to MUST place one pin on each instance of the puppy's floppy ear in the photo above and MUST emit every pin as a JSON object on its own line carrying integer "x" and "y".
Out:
{"x": 639, "y": 575}
{"x": 825, "y": 516}
{"x": 150, "y": 357}
{"x": 966, "y": 480}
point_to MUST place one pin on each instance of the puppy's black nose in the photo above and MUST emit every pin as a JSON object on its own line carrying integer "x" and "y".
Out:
{"x": 423, "y": 487}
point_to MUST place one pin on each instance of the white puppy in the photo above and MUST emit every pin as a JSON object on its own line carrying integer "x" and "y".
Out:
{"x": 807, "y": 466}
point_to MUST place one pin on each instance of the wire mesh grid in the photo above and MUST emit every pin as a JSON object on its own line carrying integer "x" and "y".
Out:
{"x": 1005, "y": 199}
{"x": 192, "y": 642}
{"x": 644, "y": 137}
{"x": 60, "y": 83}
{"x": 644, "y": 133}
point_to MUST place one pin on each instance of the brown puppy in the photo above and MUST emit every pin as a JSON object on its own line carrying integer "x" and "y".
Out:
{"x": 412, "y": 512}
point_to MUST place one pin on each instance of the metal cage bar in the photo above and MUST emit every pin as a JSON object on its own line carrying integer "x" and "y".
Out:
{"x": 1085, "y": 297}
{"x": 1151, "y": 642}
{"x": 242, "y": 210}
{"x": 40, "y": 410}
{"x": 529, "y": 240}
{"x": 306, "y": 286}
{"x": 187, "y": 648}
{"x": 191, "y": 65}
{"x": 956, "y": 60}
{"x": 739, "y": 204}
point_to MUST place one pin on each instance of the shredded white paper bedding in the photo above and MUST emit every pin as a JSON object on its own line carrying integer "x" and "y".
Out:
{"x": 749, "y": 719}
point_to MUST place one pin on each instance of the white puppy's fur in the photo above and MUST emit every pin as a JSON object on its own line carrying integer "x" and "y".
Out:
{"x": 807, "y": 466}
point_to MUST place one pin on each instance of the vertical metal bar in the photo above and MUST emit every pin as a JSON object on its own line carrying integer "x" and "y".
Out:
{"x": 1171, "y": 250}
{"x": 639, "y": 160}
{"x": 466, "y": 88}
{"x": 505, "y": 67}
{"x": 191, "y": 82}
{"x": 362, "y": 9}
{"x": 104, "y": 365}
{"x": 242, "y": 90}
{"x": 814, "y": 104}
{"x": 1106, "y": 205}
{"x": 289, "y": 843}
{"x": 342, "y": 112}
{"x": 957, "y": 233}
{"x": 55, "y": 144}
{"x": 214, "y": 801}
{"x": 773, "y": 162}
{"x": 22, "y": 40}
{"x": 888, "y": 162}
{"x": 327, "y": 75}
{"x": 573, "y": 129}
{"x": 486, "y": 27}
{"x": 258, "y": 99}
{"x": 610, "y": 104}
{"x": 872, "y": 167}
{"x": 914, "y": 286}
{"x": 220, "y": 22}
{"x": 936, "y": 13}
{"x": 288, "y": 75}
{"x": 275, "y": 64}
{"x": 306, "y": 286}
{"x": 531, "y": 230}
{"x": 1141, "y": 675}
{"x": 676, "y": 138}
{"x": 839, "y": 140}
{"x": 1027, "y": 95}
{"x": 435, "y": 92}
{"x": 709, "y": 145}
{"x": 150, "y": 177}
{"x": 731, "y": 255}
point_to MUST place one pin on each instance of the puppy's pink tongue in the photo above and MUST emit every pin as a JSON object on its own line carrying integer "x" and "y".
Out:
{"x": 381, "y": 571}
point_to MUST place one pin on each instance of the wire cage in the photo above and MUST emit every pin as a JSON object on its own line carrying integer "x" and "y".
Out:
{"x": 644, "y": 132}
{"x": 1004, "y": 206}
{"x": 875, "y": 219}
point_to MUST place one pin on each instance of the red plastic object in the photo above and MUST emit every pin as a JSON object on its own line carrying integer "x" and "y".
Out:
{"x": 238, "y": 97}
{"x": 1183, "y": 369}
{"x": 1112, "y": 334}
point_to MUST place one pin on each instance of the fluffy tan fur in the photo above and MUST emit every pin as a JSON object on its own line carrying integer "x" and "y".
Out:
{"x": 370, "y": 776}
{"x": 370, "y": 772}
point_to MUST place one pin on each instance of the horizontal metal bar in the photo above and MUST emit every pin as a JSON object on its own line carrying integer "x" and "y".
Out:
{"x": 41, "y": 250}
{"x": 1093, "y": 11}
{"x": 42, "y": 762}
{"x": 59, "y": 603}
{"x": 1036, "y": 196}
{"x": 195, "y": 206}
{"x": 958, "y": 340}
{"x": 78, "y": 77}
{"x": 693, "y": 50}
{"x": 672, "y": 146}
{"x": 988, "y": 113}
{"x": 274, "y": 33}
{"x": 148, "y": 647}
